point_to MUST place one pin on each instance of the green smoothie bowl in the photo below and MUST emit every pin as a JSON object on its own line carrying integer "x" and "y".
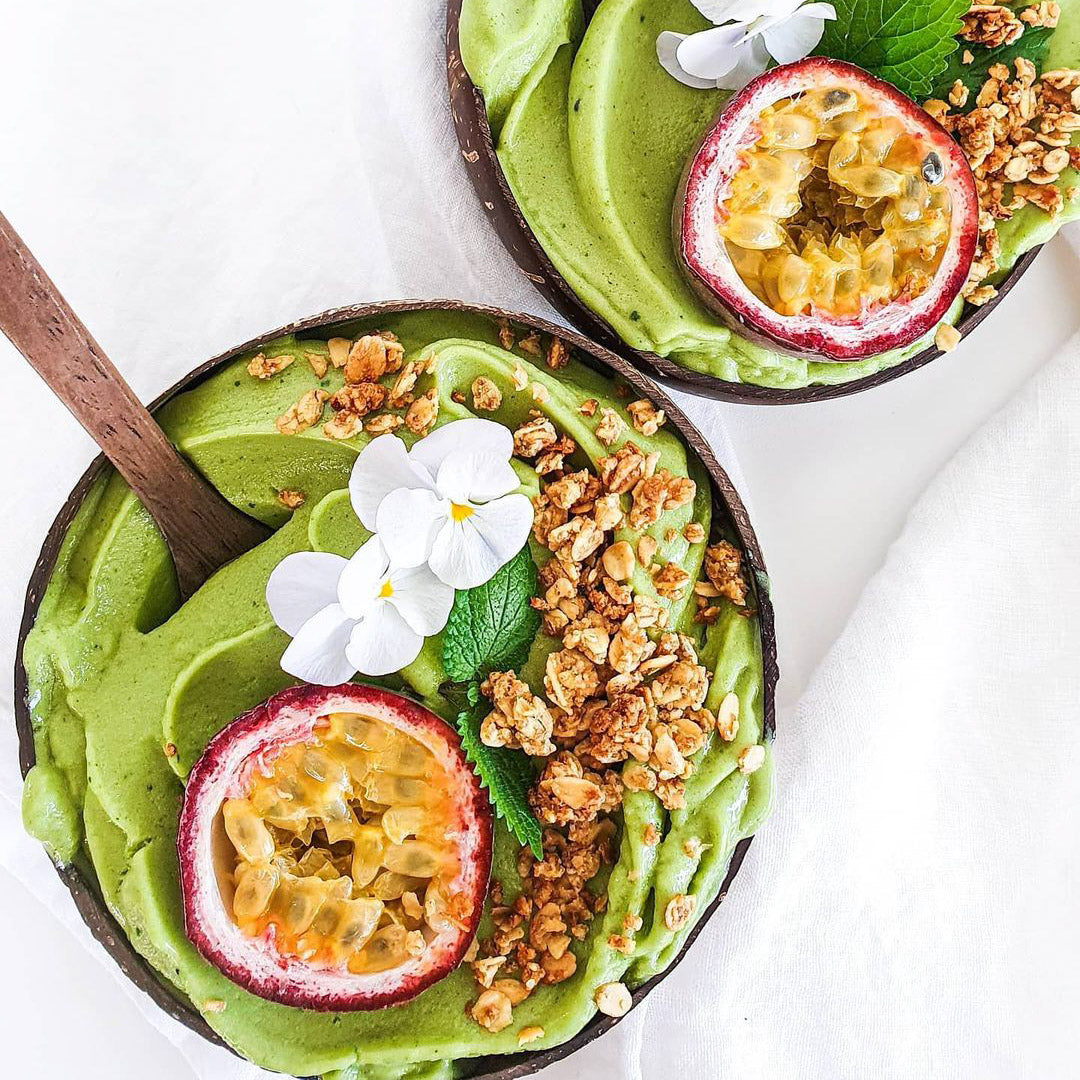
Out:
{"x": 770, "y": 201}
{"x": 444, "y": 776}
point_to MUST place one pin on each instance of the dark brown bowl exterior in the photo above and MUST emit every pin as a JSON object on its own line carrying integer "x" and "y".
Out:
{"x": 482, "y": 163}
{"x": 726, "y": 500}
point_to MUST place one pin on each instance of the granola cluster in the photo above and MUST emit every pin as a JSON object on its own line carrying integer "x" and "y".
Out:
{"x": 1016, "y": 134}
{"x": 623, "y": 703}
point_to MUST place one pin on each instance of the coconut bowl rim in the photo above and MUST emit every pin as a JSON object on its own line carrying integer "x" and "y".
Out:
{"x": 85, "y": 891}
{"x": 469, "y": 112}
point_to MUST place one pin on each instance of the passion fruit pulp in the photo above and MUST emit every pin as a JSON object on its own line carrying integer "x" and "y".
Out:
{"x": 335, "y": 848}
{"x": 825, "y": 214}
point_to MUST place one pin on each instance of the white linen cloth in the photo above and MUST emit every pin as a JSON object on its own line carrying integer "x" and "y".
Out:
{"x": 909, "y": 908}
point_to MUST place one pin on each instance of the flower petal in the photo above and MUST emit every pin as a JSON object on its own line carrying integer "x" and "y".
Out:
{"x": 381, "y": 467}
{"x": 362, "y": 578}
{"x": 421, "y": 599}
{"x": 300, "y": 585}
{"x": 667, "y": 43}
{"x": 753, "y": 60}
{"x": 794, "y": 38}
{"x": 408, "y": 522}
{"x": 475, "y": 435}
{"x": 468, "y": 553}
{"x": 316, "y": 653}
{"x": 382, "y": 642}
{"x": 711, "y": 53}
{"x": 722, "y": 11}
{"x": 469, "y": 477}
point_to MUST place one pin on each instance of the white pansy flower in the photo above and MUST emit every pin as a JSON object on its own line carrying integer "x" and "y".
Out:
{"x": 738, "y": 48}
{"x": 366, "y": 614}
{"x": 446, "y": 502}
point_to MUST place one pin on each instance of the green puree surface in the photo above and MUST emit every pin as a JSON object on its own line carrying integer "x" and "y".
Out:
{"x": 117, "y": 670}
{"x": 593, "y": 136}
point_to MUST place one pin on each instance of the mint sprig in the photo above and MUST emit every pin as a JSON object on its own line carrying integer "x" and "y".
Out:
{"x": 1033, "y": 44}
{"x": 491, "y": 628}
{"x": 905, "y": 42}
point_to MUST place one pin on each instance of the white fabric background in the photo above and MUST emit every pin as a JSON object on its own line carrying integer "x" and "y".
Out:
{"x": 194, "y": 175}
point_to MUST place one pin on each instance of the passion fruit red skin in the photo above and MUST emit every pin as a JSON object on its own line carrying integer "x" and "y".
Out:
{"x": 709, "y": 173}
{"x": 284, "y": 719}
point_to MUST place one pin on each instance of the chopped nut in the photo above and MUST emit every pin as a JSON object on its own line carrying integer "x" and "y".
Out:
{"x": 305, "y": 413}
{"x": 618, "y": 560}
{"x": 373, "y": 356}
{"x": 947, "y": 337}
{"x": 519, "y": 377}
{"x": 610, "y": 427}
{"x": 486, "y": 395}
{"x": 693, "y": 847}
{"x": 694, "y": 533}
{"x": 671, "y": 581}
{"x": 530, "y": 1034}
{"x": 752, "y": 758}
{"x": 621, "y": 943}
{"x": 727, "y": 718}
{"x": 678, "y": 910}
{"x": 651, "y": 836}
{"x": 646, "y": 417}
{"x": 423, "y": 412}
{"x": 613, "y": 999}
{"x": 959, "y": 94}
{"x": 992, "y": 25}
{"x": 492, "y": 1010}
{"x": 484, "y": 971}
{"x": 339, "y": 351}
{"x": 170, "y": 749}
{"x": 262, "y": 366}
{"x": 291, "y": 498}
{"x": 589, "y": 407}
{"x": 646, "y": 549}
{"x": 214, "y": 1005}
{"x": 539, "y": 393}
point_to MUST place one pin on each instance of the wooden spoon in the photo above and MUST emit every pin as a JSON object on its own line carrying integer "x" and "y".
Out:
{"x": 201, "y": 528}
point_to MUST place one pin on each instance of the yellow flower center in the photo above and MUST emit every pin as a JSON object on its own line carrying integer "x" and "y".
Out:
{"x": 459, "y": 511}
{"x": 387, "y": 590}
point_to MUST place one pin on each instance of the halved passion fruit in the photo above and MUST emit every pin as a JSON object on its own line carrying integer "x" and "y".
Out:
{"x": 335, "y": 848}
{"x": 825, "y": 214}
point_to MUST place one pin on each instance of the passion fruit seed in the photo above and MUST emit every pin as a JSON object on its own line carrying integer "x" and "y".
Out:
{"x": 336, "y": 840}
{"x": 833, "y": 209}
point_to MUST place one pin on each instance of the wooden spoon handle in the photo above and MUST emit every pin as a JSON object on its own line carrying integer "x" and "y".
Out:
{"x": 202, "y": 529}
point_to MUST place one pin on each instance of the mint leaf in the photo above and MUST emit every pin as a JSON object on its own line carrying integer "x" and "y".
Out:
{"x": 507, "y": 775}
{"x": 905, "y": 42}
{"x": 492, "y": 626}
{"x": 1032, "y": 45}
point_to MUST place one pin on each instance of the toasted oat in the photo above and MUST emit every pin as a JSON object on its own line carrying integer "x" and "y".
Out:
{"x": 530, "y": 1034}
{"x": 214, "y": 1005}
{"x": 678, "y": 910}
{"x": 320, "y": 364}
{"x": 694, "y": 532}
{"x": 262, "y": 366}
{"x": 506, "y": 334}
{"x": 992, "y": 25}
{"x": 539, "y": 393}
{"x": 589, "y": 407}
{"x": 306, "y": 412}
{"x": 671, "y": 581}
{"x": 339, "y": 351}
{"x": 534, "y": 436}
{"x": 346, "y": 425}
{"x": 486, "y": 395}
{"x": 485, "y": 970}
{"x": 519, "y": 719}
{"x": 1045, "y": 13}
{"x": 492, "y": 1010}
{"x": 558, "y": 355}
{"x": 420, "y": 418}
{"x": 752, "y": 758}
{"x": 359, "y": 398}
{"x": 383, "y": 423}
{"x": 373, "y": 356}
{"x": 723, "y": 567}
{"x": 519, "y": 377}
{"x": 610, "y": 426}
{"x": 530, "y": 343}
{"x": 694, "y": 846}
{"x": 290, "y": 498}
{"x": 646, "y": 417}
{"x": 651, "y": 835}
